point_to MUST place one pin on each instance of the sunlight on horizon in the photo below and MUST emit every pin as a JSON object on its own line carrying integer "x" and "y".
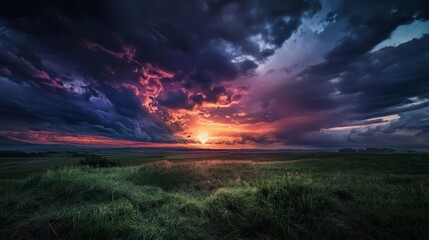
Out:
{"x": 203, "y": 137}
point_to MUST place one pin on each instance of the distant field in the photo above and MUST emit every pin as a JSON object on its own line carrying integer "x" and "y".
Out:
{"x": 217, "y": 195}
{"x": 19, "y": 166}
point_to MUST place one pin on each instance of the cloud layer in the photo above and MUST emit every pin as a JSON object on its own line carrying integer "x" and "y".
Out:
{"x": 272, "y": 73}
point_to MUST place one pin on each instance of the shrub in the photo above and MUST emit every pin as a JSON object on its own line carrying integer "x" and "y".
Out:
{"x": 96, "y": 161}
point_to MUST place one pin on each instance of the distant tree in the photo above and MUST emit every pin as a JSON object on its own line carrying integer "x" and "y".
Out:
{"x": 23, "y": 154}
{"x": 347, "y": 150}
{"x": 97, "y": 161}
{"x": 366, "y": 150}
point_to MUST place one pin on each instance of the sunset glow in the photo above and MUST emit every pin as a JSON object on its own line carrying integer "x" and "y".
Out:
{"x": 203, "y": 137}
{"x": 234, "y": 74}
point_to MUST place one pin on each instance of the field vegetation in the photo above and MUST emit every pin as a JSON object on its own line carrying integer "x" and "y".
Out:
{"x": 222, "y": 195}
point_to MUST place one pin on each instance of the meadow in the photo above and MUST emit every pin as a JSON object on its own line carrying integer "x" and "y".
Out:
{"x": 217, "y": 195}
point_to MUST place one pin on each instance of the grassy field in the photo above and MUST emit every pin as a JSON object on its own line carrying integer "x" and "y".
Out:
{"x": 217, "y": 195}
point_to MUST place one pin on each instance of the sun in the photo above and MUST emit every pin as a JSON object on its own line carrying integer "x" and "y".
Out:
{"x": 203, "y": 137}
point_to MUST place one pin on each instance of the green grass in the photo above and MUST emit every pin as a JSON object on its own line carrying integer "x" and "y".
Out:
{"x": 280, "y": 196}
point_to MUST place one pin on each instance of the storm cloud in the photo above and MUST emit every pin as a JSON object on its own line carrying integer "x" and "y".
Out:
{"x": 153, "y": 71}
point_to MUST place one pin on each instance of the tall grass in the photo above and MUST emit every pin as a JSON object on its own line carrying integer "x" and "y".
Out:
{"x": 326, "y": 199}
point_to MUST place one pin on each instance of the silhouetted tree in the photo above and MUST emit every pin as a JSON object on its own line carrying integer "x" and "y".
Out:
{"x": 97, "y": 161}
{"x": 366, "y": 150}
{"x": 24, "y": 154}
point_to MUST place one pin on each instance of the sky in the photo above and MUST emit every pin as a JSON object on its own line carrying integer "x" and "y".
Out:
{"x": 219, "y": 74}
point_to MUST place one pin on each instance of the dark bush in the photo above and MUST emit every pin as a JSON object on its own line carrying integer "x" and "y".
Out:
{"x": 96, "y": 161}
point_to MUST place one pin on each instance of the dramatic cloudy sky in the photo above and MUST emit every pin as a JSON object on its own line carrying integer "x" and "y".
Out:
{"x": 230, "y": 74}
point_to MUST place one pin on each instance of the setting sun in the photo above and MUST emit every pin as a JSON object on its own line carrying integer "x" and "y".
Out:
{"x": 203, "y": 138}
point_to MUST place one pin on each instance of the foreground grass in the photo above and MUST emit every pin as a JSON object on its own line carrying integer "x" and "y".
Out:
{"x": 346, "y": 196}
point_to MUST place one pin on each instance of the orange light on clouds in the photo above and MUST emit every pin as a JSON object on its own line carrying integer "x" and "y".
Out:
{"x": 49, "y": 137}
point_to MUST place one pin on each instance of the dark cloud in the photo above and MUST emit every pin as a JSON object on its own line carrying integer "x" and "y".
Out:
{"x": 119, "y": 68}
{"x": 31, "y": 109}
{"x": 88, "y": 59}
{"x": 248, "y": 66}
{"x": 410, "y": 130}
{"x": 353, "y": 83}
{"x": 177, "y": 36}
{"x": 21, "y": 70}
{"x": 13, "y": 112}
{"x": 176, "y": 100}
{"x": 389, "y": 81}
{"x": 369, "y": 23}
{"x": 388, "y": 78}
